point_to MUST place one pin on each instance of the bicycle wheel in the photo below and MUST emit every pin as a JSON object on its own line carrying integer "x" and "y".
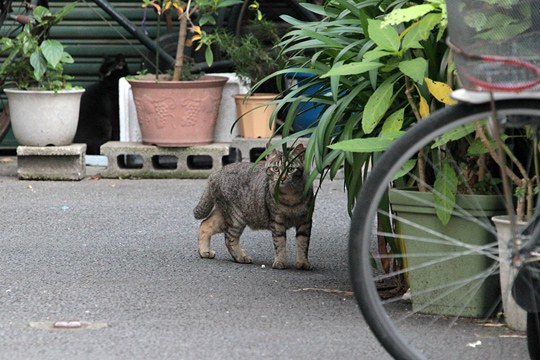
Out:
{"x": 425, "y": 291}
{"x": 533, "y": 332}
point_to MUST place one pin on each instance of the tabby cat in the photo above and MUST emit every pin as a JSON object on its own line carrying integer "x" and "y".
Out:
{"x": 242, "y": 195}
{"x": 99, "y": 119}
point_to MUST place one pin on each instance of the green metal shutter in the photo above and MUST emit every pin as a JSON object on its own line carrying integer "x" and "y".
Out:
{"x": 90, "y": 34}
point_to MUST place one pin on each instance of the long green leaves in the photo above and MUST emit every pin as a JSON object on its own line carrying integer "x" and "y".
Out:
{"x": 360, "y": 61}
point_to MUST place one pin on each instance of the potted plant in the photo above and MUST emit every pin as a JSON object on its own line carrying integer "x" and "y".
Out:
{"x": 44, "y": 107}
{"x": 468, "y": 171}
{"x": 254, "y": 56}
{"x": 388, "y": 67}
{"x": 173, "y": 110}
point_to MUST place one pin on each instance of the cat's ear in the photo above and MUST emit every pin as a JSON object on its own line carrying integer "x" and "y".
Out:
{"x": 272, "y": 154}
{"x": 298, "y": 151}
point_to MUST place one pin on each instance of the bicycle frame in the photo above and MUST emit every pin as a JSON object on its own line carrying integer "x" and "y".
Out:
{"x": 482, "y": 97}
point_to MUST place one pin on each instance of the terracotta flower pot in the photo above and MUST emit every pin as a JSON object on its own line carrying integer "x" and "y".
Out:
{"x": 177, "y": 113}
{"x": 43, "y": 118}
{"x": 254, "y": 115}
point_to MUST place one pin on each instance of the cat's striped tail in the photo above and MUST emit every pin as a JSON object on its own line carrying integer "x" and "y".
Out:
{"x": 205, "y": 205}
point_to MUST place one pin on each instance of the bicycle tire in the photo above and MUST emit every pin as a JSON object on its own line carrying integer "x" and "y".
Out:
{"x": 533, "y": 334}
{"x": 405, "y": 332}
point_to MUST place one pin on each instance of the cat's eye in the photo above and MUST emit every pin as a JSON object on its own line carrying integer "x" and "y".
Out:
{"x": 292, "y": 170}
{"x": 275, "y": 169}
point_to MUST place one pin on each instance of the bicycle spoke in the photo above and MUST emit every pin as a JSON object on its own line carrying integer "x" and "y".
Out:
{"x": 441, "y": 286}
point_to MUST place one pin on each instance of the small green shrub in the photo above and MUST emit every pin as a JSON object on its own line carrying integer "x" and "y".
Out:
{"x": 33, "y": 61}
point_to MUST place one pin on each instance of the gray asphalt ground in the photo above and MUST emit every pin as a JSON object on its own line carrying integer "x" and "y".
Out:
{"x": 120, "y": 256}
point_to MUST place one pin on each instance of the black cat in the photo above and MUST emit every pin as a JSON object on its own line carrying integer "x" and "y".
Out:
{"x": 99, "y": 119}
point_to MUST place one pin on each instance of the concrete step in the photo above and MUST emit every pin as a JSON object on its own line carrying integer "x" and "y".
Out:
{"x": 51, "y": 162}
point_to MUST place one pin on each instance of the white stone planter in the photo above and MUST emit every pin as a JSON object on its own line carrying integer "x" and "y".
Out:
{"x": 514, "y": 315}
{"x": 43, "y": 118}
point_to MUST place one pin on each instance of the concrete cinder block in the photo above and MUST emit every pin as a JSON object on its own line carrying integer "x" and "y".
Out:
{"x": 136, "y": 160}
{"x": 51, "y": 162}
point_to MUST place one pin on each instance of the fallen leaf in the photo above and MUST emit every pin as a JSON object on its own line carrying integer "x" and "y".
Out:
{"x": 329, "y": 291}
{"x": 492, "y": 325}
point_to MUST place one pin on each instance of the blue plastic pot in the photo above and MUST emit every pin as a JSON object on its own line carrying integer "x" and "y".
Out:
{"x": 308, "y": 113}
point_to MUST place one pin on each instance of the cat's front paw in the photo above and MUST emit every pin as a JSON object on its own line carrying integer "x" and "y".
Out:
{"x": 304, "y": 265}
{"x": 244, "y": 259}
{"x": 207, "y": 254}
{"x": 279, "y": 264}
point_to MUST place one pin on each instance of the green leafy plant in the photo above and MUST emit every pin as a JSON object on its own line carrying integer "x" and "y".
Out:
{"x": 254, "y": 55}
{"x": 470, "y": 151}
{"x": 33, "y": 61}
{"x": 374, "y": 71}
{"x": 387, "y": 67}
{"x": 190, "y": 31}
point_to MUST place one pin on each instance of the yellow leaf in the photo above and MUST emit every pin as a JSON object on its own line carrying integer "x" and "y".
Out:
{"x": 254, "y": 6}
{"x": 167, "y": 6}
{"x": 158, "y": 8}
{"x": 196, "y": 29}
{"x": 178, "y": 7}
{"x": 423, "y": 107}
{"x": 441, "y": 91}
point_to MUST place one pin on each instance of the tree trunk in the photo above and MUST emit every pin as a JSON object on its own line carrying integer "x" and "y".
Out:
{"x": 179, "y": 62}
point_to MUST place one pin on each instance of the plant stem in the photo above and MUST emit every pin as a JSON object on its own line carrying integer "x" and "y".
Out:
{"x": 483, "y": 138}
{"x": 421, "y": 161}
{"x": 481, "y": 163}
{"x": 530, "y": 200}
{"x": 157, "y": 52}
{"x": 524, "y": 182}
{"x": 182, "y": 33}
